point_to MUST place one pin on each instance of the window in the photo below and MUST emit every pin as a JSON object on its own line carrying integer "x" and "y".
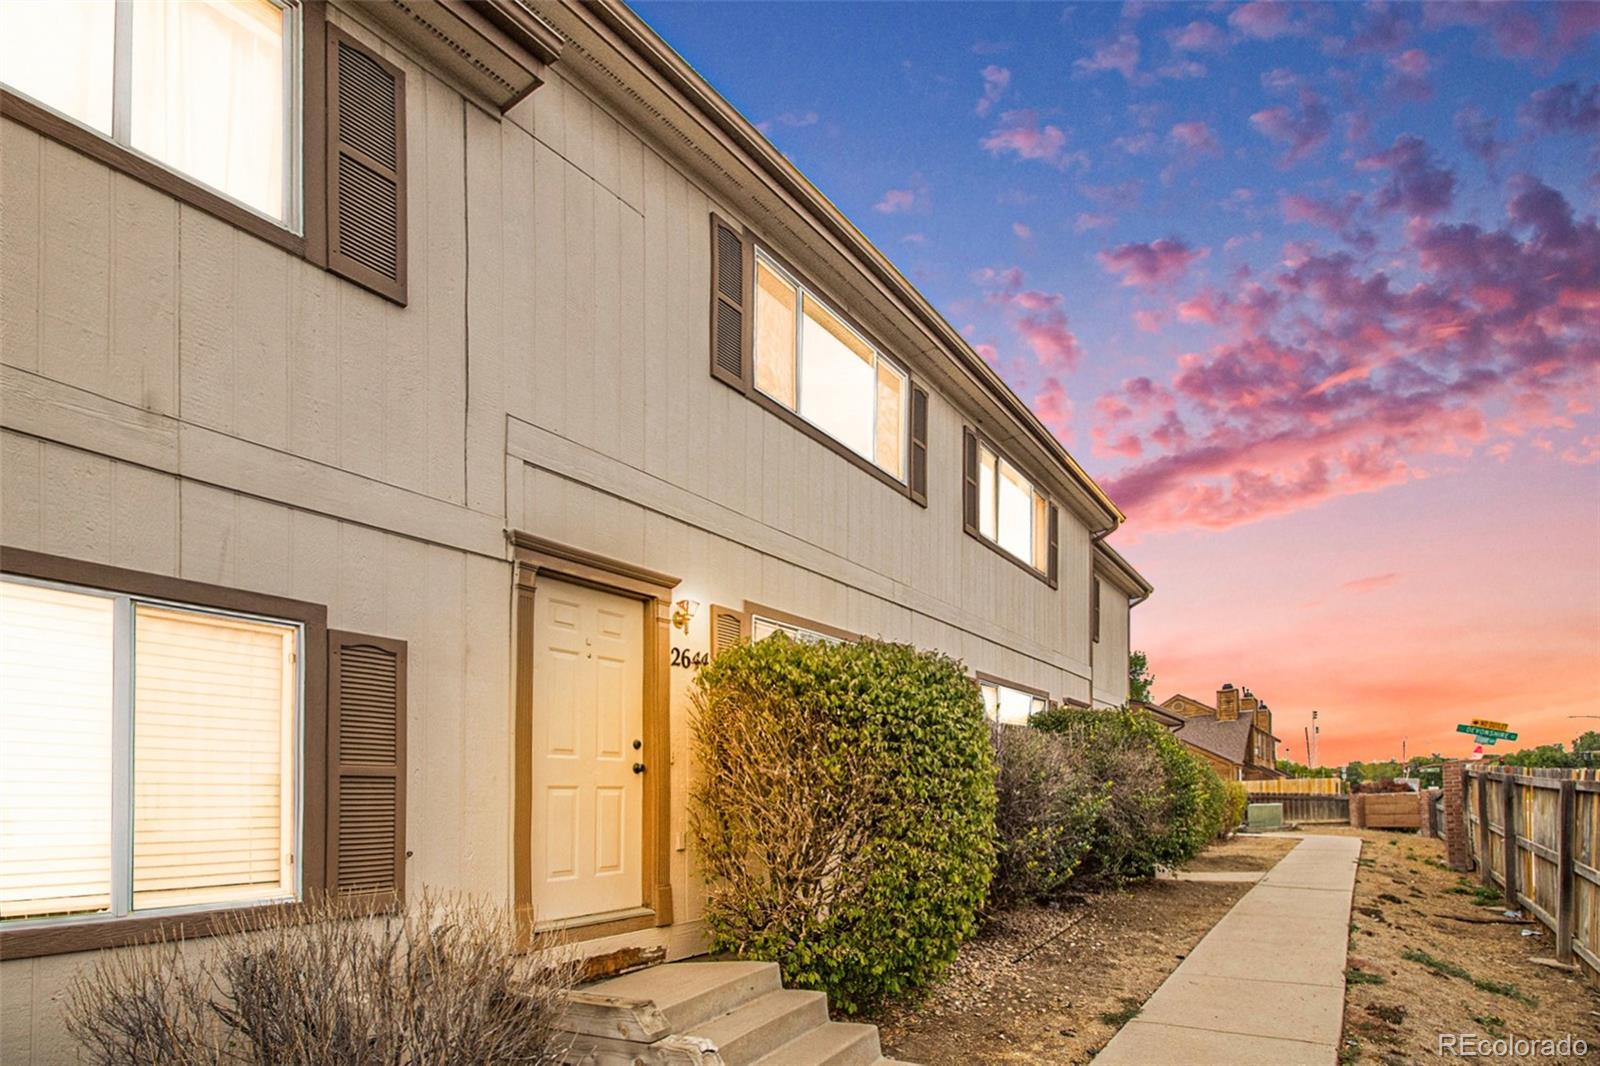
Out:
{"x": 1002, "y": 703}
{"x": 151, "y": 754}
{"x": 810, "y": 361}
{"x": 762, "y": 628}
{"x": 1011, "y": 512}
{"x": 206, "y": 88}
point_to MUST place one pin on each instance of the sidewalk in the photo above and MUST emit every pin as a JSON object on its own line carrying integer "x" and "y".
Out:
{"x": 1266, "y": 985}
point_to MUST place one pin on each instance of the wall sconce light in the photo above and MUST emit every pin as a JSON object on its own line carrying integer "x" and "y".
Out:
{"x": 682, "y": 612}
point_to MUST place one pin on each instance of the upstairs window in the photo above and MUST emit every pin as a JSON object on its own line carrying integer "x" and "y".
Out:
{"x": 206, "y": 88}
{"x": 151, "y": 755}
{"x": 812, "y": 362}
{"x": 1012, "y": 706}
{"x": 1006, "y": 511}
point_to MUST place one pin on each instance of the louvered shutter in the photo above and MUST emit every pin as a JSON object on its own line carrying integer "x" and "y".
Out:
{"x": 969, "y": 464}
{"x": 727, "y": 628}
{"x": 366, "y": 192}
{"x": 1094, "y": 607}
{"x": 730, "y": 361}
{"x": 366, "y": 765}
{"x": 919, "y": 445}
{"x": 1053, "y": 565}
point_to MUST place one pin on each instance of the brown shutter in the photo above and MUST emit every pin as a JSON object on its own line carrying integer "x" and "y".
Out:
{"x": 366, "y": 765}
{"x": 969, "y": 500}
{"x": 1052, "y": 563}
{"x": 366, "y": 179}
{"x": 727, "y": 628}
{"x": 919, "y": 445}
{"x": 730, "y": 362}
{"x": 1094, "y": 606}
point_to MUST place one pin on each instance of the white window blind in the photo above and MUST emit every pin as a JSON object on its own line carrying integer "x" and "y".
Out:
{"x": 56, "y": 710}
{"x": 149, "y": 755}
{"x": 213, "y": 760}
{"x": 1004, "y": 704}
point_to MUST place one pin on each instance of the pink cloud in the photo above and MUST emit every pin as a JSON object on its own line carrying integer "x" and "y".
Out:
{"x": 895, "y": 201}
{"x": 1301, "y": 130}
{"x": 1417, "y": 185}
{"x": 1155, "y": 263}
{"x": 1371, "y": 584}
{"x": 996, "y": 80}
{"x": 1053, "y": 406}
{"x": 1087, "y": 221}
{"x": 1022, "y": 230}
{"x": 1198, "y": 36}
{"x": 1038, "y": 318}
{"x": 1265, "y": 20}
{"x": 1541, "y": 33}
{"x": 1197, "y": 137}
{"x": 1120, "y": 55}
{"x": 1020, "y": 133}
{"x": 1408, "y": 75}
{"x": 1337, "y": 380}
{"x": 1479, "y": 134}
{"x": 1564, "y": 108}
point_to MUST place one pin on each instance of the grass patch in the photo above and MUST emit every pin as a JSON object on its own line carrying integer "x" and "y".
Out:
{"x": 1504, "y": 988}
{"x": 1437, "y": 965}
{"x": 1354, "y": 976}
{"x": 1128, "y": 1012}
{"x": 1482, "y": 895}
{"x": 1492, "y": 1024}
{"x": 1350, "y": 1053}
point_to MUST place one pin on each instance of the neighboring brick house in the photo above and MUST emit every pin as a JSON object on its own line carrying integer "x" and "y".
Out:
{"x": 1235, "y": 736}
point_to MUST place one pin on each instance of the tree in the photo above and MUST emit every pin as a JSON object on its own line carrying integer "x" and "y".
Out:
{"x": 1139, "y": 677}
{"x": 1290, "y": 768}
{"x": 1589, "y": 741}
{"x": 1543, "y": 755}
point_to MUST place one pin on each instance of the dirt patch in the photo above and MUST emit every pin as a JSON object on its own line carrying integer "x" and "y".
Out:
{"x": 1044, "y": 984}
{"x": 1243, "y": 852}
{"x": 1416, "y": 972}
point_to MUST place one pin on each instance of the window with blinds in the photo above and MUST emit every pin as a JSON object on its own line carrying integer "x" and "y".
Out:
{"x": 151, "y": 755}
{"x": 1009, "y": 705}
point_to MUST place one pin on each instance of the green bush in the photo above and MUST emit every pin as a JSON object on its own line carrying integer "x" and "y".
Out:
{"x": 1045, "y": 816}
{"x": 1163, "y": 804}
{"x": 1233, "y": 812}
{"x": 843, "y": 812}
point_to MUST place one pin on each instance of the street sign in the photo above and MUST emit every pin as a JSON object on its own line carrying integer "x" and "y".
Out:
{"x": 1484, "y": 723}
{"x": 1480, "y": 731}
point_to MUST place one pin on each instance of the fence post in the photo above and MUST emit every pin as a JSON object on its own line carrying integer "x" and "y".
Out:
{"x": 1566, "y": 818}
{"x": 1508, "y": 842}
{"x": 1483, "y": 828}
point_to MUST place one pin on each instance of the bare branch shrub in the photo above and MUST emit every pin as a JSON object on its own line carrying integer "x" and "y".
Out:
{"x": 441, "y": 981}
{"x": 1045, "y": 817}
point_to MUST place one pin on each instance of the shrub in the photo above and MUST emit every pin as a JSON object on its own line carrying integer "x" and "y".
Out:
{"x": 1233, "y": 811}
{"x": 1047, "y": 807}
{"x": 844, "y": 812}
{"x": 444, "y": 980}
{"x": 1163, "y": 804}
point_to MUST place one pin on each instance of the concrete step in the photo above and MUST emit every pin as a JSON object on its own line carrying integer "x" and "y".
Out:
{"x": 833, "y": 1044}
{"x": 687, "y": 994}
{"x": 748, "y": 1032}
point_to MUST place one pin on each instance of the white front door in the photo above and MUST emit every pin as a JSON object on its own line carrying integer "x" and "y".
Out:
{"x": 588, "y": 716}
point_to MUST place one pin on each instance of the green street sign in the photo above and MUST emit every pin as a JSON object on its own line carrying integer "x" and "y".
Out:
{"x": 1492, "y": 734}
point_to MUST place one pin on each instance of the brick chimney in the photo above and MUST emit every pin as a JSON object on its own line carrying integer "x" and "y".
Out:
{"x": 1227, "y": 703}
{"x": 1248, "y": 701}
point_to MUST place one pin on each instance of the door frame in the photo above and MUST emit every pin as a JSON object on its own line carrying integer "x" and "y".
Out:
{"x": 535, "y": 558}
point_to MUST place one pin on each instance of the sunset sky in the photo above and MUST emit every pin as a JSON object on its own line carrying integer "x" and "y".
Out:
{"x": 1314, "y": 290}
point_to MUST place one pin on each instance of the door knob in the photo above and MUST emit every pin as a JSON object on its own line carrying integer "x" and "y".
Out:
{"x": 638, "y": 767}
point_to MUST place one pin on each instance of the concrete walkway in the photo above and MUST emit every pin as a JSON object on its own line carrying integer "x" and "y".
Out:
{"x": 1266, "y": 985}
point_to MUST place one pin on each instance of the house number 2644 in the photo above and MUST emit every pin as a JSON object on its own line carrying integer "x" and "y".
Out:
{"x": 689, "y": 659}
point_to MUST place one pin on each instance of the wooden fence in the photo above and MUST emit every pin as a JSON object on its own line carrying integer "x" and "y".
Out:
{"x": 1304, "y": 808}
{"x": 1551, "y": 865}
{"x": 1298, "y": 786}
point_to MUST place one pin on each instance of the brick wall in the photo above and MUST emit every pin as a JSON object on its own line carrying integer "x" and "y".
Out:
{"x": 1455, "y": 818}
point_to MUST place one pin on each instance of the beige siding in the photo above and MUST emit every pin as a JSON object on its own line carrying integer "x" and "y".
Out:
{"x": 185, "y": 399}
{"x": 1111, "y": 651}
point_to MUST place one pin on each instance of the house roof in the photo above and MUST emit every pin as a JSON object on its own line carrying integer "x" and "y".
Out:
{"x": 655, "y": 80}
{"x": 1190, "y": 699}
{"x": 1231, "y": 740}
{"x": 1120, "y": 572}
{"x": 1160, "y": 714}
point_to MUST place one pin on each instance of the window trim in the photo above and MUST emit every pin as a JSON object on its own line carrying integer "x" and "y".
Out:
{"x": 305, "y": 151}
{"x": 88, "y": 934}
{"x": 794, "y": 418}
{"x": 972, "y": 527}
{"x": 982, "y": 679}
{"x": 754, "y": 610}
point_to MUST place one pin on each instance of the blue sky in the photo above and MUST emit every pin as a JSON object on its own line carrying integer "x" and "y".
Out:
{"x": 1285, "y": 277}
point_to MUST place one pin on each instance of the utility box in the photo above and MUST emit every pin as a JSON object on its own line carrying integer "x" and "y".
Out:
{"x": 1264, "y": 816}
